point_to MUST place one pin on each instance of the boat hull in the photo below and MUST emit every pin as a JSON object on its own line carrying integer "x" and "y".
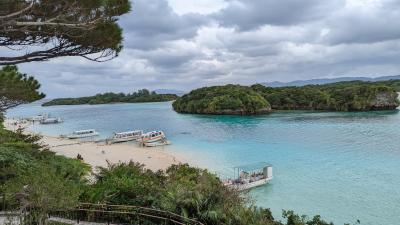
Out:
{"x": 120, "y": 140}
{"x": 51, "y": 121}
{"x": 152, "y": 140}
{"x": 250, "y": 185}
{"x": 156, "y": 144}
{"x": 81, "y": 136}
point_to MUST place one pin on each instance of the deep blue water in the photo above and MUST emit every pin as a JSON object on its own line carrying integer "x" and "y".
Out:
{"x": 342, "y": 166}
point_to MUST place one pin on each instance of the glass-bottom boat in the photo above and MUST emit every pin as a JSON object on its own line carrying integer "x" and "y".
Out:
{"x": 250, "y": 176}
{"x": 126, "y": 136}
{"x": 81, "y": 134}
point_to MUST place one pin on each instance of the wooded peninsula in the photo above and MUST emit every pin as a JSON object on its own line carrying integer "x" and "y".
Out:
{"x": 140, "y": 96}
{"x": 258, "y": 99}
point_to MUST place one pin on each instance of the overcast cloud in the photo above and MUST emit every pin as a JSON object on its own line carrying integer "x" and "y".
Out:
{"x": 185, "y": 44}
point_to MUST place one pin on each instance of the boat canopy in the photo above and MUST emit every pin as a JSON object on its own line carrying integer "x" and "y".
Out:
{"x": 253, "y": 167}
{"x": 84, "y": 131}
{"x": 129, "y": 132}
{"x": 153, "y": 133}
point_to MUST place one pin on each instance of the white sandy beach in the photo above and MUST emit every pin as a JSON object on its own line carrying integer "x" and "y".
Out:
{"x": 98, "y": 154}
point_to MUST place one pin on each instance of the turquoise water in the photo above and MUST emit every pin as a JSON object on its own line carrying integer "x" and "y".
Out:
{"x": 342, "y": 166}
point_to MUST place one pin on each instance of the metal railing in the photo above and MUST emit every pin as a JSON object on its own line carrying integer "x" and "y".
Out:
{"x": 102, "y": 214}
{"x": 123, "y": 214}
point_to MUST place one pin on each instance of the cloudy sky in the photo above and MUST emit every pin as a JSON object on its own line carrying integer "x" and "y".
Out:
{"x": 185, "y": 44}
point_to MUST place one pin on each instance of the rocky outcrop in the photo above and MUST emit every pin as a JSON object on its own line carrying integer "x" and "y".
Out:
{"x": 385, "y": 100}
{"x": 242, "y": 112}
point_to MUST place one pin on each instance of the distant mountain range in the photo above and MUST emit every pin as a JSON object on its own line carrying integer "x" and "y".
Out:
{"x": 327, "y": 81}
{"x": 170, "y": 91}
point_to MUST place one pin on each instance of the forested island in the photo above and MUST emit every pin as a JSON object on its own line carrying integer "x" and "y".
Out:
{"x": 229, "y": 99}
{"x": 259, "y": 99}
{"x": 143, "y": 95}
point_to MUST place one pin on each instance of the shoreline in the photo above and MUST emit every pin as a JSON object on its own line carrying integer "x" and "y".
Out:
{"x": 100, "y": 154}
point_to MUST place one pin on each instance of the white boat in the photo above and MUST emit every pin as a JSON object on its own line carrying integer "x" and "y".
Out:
{"x": 157, "y": 143}
{"x": 126, "y": 136}
{"x": 153, "y": 136}
{"x": 39, "y": 117}
{"x": 250, "y": 176}
{"x": 51, "y": 120}
{"x": 81, "y": 134}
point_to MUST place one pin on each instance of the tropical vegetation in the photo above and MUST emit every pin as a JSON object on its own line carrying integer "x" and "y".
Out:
{"x": 342, "y": 96}
{"x": 17, "y": 88}
{"x": 391, "y": 83}
{"x": 37, "y": 30}
{"x": 229, "y": 99}
{"x": 143, "y": 95}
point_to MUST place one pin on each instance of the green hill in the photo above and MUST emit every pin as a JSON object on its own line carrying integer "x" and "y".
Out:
{"x": 258, "y": 99}
{"x": 220, "y": 100}
{"x": 106, "y": 98}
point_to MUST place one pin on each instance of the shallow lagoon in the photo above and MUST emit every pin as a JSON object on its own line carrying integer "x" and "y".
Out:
{"x": 343, "y": 166}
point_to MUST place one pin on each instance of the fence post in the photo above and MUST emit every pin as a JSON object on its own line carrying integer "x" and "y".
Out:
{"x": 4, "y": 202}
{"x": 108, "y": 215}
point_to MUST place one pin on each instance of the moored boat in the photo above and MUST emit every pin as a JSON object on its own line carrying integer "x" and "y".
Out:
{"x": 250, "y": 176}
{"x": 126, "y": 136}
{"x": 153, "y": 136}
{"x": 39, "y": 117}
{"x": 154, "y": 139}
{"x": 50, "y": 120}
{"x": 81, "y": 134}
{"x": 157, "y": 143}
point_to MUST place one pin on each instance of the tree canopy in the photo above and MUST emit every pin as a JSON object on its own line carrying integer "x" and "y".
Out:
{"x": 229, "y": 99}
{"x": 342, "y": 96}
{"x": 35, "y": 179}
{"x": 17, "y": 88}
{"x": 38, "y": 30}
{"x": 143, "y": 95}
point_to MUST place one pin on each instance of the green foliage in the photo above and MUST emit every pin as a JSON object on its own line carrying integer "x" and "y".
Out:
{"x": 293, "y": 219}
{"x": 135, "y": 97}
{"x": 184, "y": 190}
{"x": 40, "y": 180}
{"x": 57, "y": 223}
{"x": 17, "y": 155}
{"x": 42, "y": 190}
{"x": 342, "y": 96}
{"x": 49, "y": 29}
{"x": 195, "y": 193}
{"x": 17, "y": 88}
{"x": 128, "y": 184}
{"x": 229, "y": 99}
{"x": 21, "y": 153}
{"x": 187, "y": 191}
{"x": 395, "y": 84}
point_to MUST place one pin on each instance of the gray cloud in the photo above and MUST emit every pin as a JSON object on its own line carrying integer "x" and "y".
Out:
{"x": 364, "y": 23}
{"x": 153, "y": 22}
{"x": 246, "y": 15}
{"x": 246, "y": 42}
